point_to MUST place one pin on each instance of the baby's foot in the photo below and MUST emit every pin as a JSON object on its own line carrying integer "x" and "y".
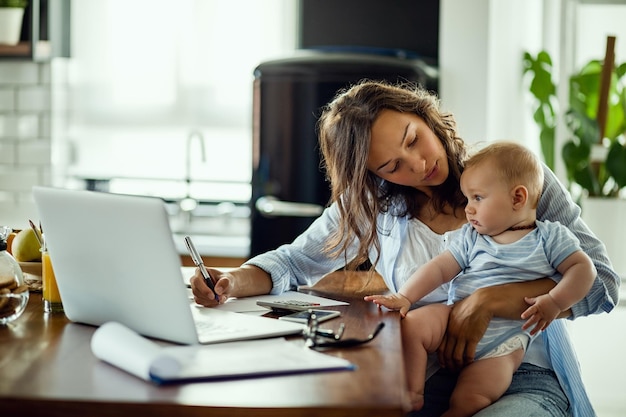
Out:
{"x": 417, "y": 400}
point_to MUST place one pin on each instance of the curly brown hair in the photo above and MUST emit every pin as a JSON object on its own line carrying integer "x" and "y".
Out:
{"x": 344, "y": 136}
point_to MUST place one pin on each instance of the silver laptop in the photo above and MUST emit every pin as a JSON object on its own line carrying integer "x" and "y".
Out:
{"x": 115, "y": 259}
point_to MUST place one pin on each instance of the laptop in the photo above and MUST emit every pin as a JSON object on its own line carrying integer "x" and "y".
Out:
{"x": 115, "y": 259}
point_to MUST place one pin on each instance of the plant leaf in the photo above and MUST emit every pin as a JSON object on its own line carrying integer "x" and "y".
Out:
{"x": 547, "y": 145}
{"x": 584, "y": 129}
{"x": 616, "y": 163}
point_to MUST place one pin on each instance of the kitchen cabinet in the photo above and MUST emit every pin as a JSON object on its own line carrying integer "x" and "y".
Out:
{"x": 45, "y": 32}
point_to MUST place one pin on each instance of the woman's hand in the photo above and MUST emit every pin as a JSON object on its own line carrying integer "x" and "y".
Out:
{"x": 467, "y": 324}
{"x": 391, "y": 301}
{"x": 470, "y": 317}
{"x": 203, "y": 295}
{"x": 245, "y": 281}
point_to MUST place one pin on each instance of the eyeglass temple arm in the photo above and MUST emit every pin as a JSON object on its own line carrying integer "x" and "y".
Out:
{"x": 330, "y": 334}
{"x": 376, "y": 330}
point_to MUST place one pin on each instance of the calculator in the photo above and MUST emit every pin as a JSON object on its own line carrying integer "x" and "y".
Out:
{"x": 288, "y": 305}
{"x": 303, "y": 316}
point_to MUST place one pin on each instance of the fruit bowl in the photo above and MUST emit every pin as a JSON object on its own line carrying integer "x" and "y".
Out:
{"x": 31, "y": 268}
{"x": 32, "y": 275}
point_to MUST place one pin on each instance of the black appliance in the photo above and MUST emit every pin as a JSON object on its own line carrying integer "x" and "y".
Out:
{"x": 289, "y": 189}
{"x": 410, "y": 25}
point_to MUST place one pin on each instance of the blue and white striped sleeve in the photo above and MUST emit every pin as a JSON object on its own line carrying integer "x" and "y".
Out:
{"x": 302, "y": 262}
{"x": 556, "y": 204}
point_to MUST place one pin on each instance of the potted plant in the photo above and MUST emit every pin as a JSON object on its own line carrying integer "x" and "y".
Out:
{"x": 11, "y": 17}
{"x": 594, "y": 153}
{"x": 597, "y": 166}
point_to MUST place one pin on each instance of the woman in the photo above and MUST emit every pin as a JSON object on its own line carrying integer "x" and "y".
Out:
{"x": 394, "y": 161}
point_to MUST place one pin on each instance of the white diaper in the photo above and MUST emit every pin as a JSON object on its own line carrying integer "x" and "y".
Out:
{"x": 511, "y": 345}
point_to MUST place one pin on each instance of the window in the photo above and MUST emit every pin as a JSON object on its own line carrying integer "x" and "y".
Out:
{"x": 146, "y": 74}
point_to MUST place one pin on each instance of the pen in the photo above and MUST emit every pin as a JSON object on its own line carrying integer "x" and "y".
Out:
{"x": 197, "y": 260}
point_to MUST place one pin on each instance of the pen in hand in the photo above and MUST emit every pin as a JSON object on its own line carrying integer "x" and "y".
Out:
{"x": 197, "y": 260}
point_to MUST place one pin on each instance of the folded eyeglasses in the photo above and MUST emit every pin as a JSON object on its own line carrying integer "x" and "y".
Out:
{"x": 327, "y": 338}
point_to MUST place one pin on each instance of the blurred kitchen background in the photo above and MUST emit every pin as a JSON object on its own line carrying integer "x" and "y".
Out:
{"x": 153, "y": 98}
{"x": 161, "y": 98}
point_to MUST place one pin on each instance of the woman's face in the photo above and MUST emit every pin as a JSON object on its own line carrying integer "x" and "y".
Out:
{"x": 405, "y": 151}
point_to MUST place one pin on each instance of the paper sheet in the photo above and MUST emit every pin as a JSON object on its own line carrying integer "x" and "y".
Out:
{"x": 248, "y": 304}
{"x": 118, "y": 345}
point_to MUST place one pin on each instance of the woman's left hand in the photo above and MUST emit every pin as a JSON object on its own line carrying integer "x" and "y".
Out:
{"x": 470, "y": 317}
{"x": 467, "y": 324}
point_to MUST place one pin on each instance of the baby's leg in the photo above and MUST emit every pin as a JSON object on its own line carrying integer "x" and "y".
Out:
{"x": 482, "y": 382}
{"x": 422, "y": 332}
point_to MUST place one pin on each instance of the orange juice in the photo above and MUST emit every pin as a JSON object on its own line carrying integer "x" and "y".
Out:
{"x": 51, "y": 296}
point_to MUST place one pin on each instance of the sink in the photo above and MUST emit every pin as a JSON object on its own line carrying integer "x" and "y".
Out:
{"x": 221, "y": 229}
{"x": 221, "y": 219}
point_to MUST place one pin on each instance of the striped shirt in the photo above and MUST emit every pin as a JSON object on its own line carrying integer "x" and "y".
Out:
{"x": 485, "y": 262}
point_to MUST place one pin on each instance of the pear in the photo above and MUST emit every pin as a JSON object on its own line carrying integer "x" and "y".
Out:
{"x": 25, "y": 246}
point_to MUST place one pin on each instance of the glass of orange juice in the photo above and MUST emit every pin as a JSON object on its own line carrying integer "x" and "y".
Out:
{"x": 51, "y": 297}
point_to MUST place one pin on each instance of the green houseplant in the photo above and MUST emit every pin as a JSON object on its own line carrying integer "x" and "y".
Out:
{"x": 18, "y": 4}
{"x": 594, "y": 152}
{"x": 597, "y": 166}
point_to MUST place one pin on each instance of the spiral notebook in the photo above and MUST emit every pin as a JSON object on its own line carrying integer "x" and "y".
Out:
{"x": 115, "y": 260}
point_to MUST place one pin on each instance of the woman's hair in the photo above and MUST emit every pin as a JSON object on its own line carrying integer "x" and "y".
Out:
{"x": 513, "y": 164}
{"x": 344, "y": 136}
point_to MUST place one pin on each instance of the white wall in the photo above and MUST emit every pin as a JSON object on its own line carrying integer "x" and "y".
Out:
{"x": 32, "y": 103}
{"x": 463, "y": 63}
{"x": 481, "y": 48}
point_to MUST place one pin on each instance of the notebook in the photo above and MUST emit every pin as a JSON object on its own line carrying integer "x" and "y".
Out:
{"x": 115, "y": 259}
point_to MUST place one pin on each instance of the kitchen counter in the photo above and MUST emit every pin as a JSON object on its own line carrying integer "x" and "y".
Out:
{"x": 216, "y": 246}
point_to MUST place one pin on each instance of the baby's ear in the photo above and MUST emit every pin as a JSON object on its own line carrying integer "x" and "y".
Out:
{"x": 519, "y": 195}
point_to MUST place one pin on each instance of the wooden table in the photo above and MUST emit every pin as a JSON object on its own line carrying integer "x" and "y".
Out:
{"x": 47, "y": 369}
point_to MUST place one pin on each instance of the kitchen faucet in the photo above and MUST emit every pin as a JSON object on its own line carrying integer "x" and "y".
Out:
{"x": 188, "y": 204}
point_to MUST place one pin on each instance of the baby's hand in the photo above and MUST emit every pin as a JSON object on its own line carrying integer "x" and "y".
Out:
{"x": 542, "y": 311}
{"x": 391, "y": 301}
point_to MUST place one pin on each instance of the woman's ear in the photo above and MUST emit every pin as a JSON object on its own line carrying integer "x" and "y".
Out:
{"x": 519, "y": 196}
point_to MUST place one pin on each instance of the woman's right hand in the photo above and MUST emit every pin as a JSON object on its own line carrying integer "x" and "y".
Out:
{"x": 203, "y": 295}
{"x": 245, "y": 281}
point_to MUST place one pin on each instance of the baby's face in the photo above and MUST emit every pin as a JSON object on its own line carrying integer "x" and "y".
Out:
{"x": 489, "y": 199}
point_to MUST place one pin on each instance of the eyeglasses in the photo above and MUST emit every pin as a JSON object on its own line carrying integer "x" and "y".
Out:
{"x": 326, "y": 338}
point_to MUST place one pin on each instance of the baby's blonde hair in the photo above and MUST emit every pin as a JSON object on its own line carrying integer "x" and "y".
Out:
{"x": 515, "y": 165}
